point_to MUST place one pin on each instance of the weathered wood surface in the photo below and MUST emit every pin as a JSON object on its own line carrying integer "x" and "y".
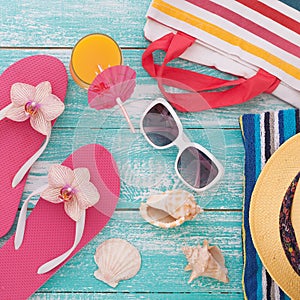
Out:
{"x": 53, "y": 27}
{"x": 61, "y": 24}
{"x": 162, "y": 258}
{"x": 144, "y": 296}
{"x": 145, "y": 170}
{"x": 78, "y": 113}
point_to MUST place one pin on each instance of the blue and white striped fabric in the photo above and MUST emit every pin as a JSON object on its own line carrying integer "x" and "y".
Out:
{"x": 262, "y": 135}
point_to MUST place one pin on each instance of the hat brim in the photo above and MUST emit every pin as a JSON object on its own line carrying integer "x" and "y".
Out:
{"x": 266, "y": 201}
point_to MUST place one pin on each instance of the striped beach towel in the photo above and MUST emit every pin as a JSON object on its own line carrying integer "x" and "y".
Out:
{"x": 237, "y": 36}
{"x": 262, "y": 135}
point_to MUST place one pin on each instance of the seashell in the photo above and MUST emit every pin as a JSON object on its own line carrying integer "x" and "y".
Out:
{"x": 117, "y": 260}
{"x": 170, "y": 209}
{"x": 205, "y": 261}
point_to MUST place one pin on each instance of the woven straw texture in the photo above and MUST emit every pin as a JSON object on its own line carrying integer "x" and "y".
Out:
{"x": 262, "y": 135}
{"x": 266, "y": 202}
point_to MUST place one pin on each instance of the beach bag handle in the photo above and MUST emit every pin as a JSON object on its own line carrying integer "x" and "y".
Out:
{"x": 198, "y": 96}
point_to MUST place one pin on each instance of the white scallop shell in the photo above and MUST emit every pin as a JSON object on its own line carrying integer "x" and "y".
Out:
{"x": 117, "y": 260}
{"x": 170, "y": 209}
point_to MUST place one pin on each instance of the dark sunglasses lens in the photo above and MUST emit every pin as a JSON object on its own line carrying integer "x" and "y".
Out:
{"x": 159, "y": 126}
{"x": 196, "y": 168}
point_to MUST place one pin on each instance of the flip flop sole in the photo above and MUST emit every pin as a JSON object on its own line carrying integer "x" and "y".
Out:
{"x": 50, "y": 232}
{"x": 18, "y": 141}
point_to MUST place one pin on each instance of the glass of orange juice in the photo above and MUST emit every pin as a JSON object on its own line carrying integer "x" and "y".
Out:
{"x": 91, "y": 55}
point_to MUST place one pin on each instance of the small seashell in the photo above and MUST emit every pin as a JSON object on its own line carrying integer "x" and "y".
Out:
{"x": 170, "y": 209}
{"x": 205, "y": 261}
{"x": 117, "y": 260}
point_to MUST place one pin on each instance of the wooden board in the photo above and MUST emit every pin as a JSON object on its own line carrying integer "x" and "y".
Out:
{"x": 53, "y": 27}
{"x": 162, "y": 258}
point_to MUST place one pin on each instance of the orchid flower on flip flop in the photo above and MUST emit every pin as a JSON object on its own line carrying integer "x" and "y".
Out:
{"x": 71, "y": 187}
{"x": 35, "y": 103}
{"x": 40, "y": 106}
{"x": 74, "y": 189}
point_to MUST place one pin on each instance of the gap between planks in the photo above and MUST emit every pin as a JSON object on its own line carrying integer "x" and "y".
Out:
{"x": 137, "y": 209}
{"x": 59, "y": 48}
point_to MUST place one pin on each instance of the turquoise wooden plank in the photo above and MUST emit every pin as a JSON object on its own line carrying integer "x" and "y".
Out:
{"x": 144, "y": 296}
{"x": 61, "y": 23}
{"x": 77, "y": 108}
{"x": 162, "y": 259}
{"x": 145, "y": 170}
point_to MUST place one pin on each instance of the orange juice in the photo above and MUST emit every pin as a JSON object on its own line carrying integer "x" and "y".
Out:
{"x": 91, "y": 55}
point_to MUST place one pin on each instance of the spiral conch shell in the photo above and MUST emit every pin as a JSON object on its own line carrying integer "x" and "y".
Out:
{"x": 170, "y": 209}
{"x": 117, "y": 260}
{"x": 205, "y": 261}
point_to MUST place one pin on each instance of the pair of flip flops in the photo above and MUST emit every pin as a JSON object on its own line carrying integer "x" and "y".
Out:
{"x": 32, "y": 93}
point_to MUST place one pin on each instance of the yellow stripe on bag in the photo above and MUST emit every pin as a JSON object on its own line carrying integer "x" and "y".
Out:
{"x": 226, "y": 36}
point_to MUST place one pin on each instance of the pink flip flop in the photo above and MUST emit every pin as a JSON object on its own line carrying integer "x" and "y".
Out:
{"x": 32, "y": 93}
{"x": 88, "y": 174}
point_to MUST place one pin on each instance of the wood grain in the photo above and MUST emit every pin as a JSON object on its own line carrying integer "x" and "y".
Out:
{"x": 162, "y": 258}
{"x": 144, "y": 296}
{"x": 62, "y": 23}
{"x": 53, "y": 28}
{"x": 145, "y": 170}
{"x": 77, "y": 107}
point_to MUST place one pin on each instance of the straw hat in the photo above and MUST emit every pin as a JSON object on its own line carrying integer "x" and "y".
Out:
{"x": 273, "y": 186}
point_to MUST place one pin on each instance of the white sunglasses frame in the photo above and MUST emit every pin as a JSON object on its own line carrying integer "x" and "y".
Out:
{"x": 182, "y": 142}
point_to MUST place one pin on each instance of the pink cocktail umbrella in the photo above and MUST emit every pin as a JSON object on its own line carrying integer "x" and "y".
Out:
{"x": 111, "y": 87}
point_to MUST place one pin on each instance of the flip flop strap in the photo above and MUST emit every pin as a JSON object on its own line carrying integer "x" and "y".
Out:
{"x": 19, "y": 236}
{"x": 50, "y": 265}
{"x": 22, "y": 218}
{"x": 28, "y": 164}
{"x": 4, "y": 110}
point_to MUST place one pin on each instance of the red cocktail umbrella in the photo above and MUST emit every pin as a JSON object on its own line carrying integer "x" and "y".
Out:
{"x": 111, "y": 87}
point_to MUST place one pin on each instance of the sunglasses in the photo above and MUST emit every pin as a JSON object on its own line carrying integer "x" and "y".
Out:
{"x": 194, "y": 165}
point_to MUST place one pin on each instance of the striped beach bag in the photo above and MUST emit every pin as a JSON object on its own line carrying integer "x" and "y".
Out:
{"x": 257, "y": 41}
